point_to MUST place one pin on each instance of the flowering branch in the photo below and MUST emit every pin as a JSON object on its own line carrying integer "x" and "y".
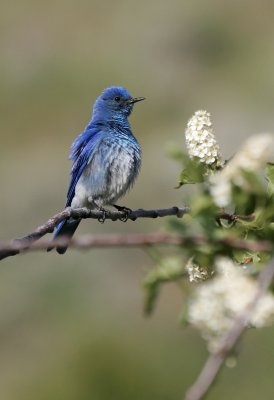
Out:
{"x": 216, "y": 360}
{"x": 15, "y": 246}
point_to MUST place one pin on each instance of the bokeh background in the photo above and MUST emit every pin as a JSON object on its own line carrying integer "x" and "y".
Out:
{"x": 72, "y": 327}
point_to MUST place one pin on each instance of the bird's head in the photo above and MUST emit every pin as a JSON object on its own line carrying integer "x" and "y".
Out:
{"x": 115, "y": 103}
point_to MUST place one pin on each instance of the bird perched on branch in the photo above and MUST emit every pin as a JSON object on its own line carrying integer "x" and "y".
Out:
{"x": 106, "y": 158}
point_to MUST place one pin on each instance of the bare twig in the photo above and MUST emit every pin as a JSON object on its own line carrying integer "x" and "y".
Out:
{"x": 16, "y": 245}
{"x": 98, "y": 240}
{"x": 216, "y": 360}
{"x": 129, "y": 239}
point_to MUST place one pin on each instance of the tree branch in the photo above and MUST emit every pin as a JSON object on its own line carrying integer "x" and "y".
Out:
{"x": 129, "y": 239}
{"x": 16, "y": 245}
{"x": 216, "y": 360}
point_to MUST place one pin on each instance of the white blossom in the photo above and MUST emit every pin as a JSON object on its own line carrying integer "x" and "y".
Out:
{"x": 216, "y": 304}
{"x": 220, "y": 191}
{"x": 256, "y": 151}
{"x": 200, "y": 140}
{"x": 196, "y": 273}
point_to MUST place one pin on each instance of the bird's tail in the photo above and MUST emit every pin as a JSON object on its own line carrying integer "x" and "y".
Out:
{"x": 67, "y": 229}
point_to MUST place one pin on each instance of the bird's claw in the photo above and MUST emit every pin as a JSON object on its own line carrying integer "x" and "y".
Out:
{"x": 103, "y": 217}
{"x": 125, "y": 217}
{"x": 125, "y": 210}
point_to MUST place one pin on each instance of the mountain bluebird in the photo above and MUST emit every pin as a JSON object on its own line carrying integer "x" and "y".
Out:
{"x": 106, "y": 157}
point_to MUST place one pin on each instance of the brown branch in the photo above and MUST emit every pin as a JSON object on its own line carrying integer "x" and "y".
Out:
{"x": 216, "y": 360}
{"x": 234, "y": 217}
{"x": 98, "y": 240}
{"x": 16, "y": 245}
{"x": 129, "y": 239}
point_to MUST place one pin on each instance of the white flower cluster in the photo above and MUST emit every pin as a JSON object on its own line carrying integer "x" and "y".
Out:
{"x": 195, "y": 272}
{"x": 255, "y": 153}
{"x": 217, "y": 303}
{"x": 200, "y": 140}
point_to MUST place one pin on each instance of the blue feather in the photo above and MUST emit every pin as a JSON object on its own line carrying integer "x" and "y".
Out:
{"x": 81, "y": 153}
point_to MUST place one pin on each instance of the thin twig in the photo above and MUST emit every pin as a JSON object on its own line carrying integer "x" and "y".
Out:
{"x": 16, "y": 245}
{"x": 216, "y": 360}
{"x": 234, "y": 217}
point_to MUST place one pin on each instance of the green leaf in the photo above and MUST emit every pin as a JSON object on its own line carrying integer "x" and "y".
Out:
{"x": 269, "y": 173}
{"x": 178, "y": 225}
{"x": 203, "y": 205}
{"x": 170, "y": 269}
{"x": 152, "y": 291}
{"x": 191, "y": 176}
{"x": 246, "y": 257}
{"x": 183, "y": 317}
{"x": 193, "y": 172}
{"x": 249, "y": 193}
{"x": 204, "y": 211}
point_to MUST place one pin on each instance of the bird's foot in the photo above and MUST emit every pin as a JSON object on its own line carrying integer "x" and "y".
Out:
{"x": 104, "y": 214}
{"x": 125, "y": 210}
{"x": 97, "y": 206}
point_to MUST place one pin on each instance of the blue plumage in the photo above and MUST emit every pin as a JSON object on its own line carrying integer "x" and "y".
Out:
{"x": 106, "y": 157}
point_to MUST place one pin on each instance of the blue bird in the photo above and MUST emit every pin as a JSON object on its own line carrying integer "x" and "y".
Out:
{"x": 106, "y": 158}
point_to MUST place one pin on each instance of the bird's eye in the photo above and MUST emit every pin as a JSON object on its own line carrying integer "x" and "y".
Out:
{"x": 117, "y": 98}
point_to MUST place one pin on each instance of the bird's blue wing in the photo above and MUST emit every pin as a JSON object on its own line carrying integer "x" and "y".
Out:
{"x": 81, "y": 152}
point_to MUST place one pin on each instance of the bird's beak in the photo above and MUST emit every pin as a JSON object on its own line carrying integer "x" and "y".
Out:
{"x": 135, "y": 100}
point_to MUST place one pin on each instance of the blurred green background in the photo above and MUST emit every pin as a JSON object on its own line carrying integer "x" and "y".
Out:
{"x": 72, "y": 327}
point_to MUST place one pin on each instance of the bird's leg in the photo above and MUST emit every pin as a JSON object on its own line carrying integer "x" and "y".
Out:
{"x": 125, "y": 210}
{"x": 103, "y": 210}
{"x": 122, "y": 208}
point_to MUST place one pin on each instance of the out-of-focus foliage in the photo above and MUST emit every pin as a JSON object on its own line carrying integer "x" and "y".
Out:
{"x": 269, "y": 173}
{"x": 229, "y": 286}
